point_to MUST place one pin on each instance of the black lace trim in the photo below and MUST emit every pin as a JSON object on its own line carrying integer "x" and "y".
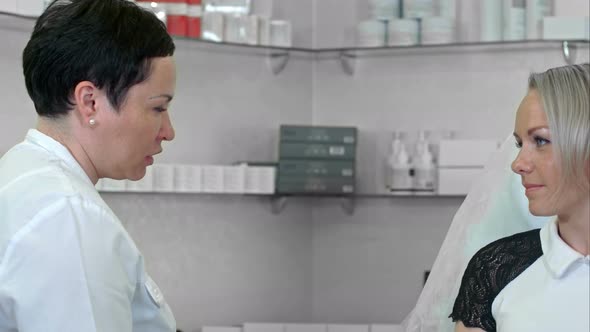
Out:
{"x": 488, "y": 272}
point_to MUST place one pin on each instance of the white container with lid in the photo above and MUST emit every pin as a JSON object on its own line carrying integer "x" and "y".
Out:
{"x": 384, "y": 9}
{"x": 491, "y": 20}
{"x": 418, "y": 8}
{"x": 536, "y": 10}
{"x": 403, "y": 32}
{"x": 424, "y": 167}
{"x": 514, "y": 15}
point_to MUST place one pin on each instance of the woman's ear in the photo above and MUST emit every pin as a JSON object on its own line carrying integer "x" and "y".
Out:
{"x": 85, "y": 97}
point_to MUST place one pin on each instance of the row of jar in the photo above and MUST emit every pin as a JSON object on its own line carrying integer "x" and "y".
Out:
{"x": 213, "y": 179}
{"x": 232, "y": 21}
{"x": 405, "y": 32}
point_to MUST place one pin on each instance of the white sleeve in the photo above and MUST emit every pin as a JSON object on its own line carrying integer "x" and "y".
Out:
{"x": 72, "y": 268}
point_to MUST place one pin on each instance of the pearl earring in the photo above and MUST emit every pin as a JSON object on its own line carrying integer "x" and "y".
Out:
{"x": 92, "y": 122}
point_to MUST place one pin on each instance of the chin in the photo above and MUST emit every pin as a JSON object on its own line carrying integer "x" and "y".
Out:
{"x": 137, "y": 175}
{"x": 540, "y": 210}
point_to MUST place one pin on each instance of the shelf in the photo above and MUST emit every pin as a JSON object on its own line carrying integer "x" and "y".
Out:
{"x": 278, "y": 57}
{"x": 278, "y": 202}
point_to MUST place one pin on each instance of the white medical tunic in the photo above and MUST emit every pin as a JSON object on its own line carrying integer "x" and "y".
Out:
{"x": 528, "y": 282}
{"x": 66, "y": 262}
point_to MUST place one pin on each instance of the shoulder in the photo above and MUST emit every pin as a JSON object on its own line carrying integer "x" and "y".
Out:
{"x": 520, "y": 246}
{"x": 491, "y": 269}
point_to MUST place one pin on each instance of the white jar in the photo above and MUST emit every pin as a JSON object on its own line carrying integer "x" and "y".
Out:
{"x": 403, "y": 32}
{"x": 438, "y": 30}
{"x": 419, "y": 8}
{"x": 384, "y": 9}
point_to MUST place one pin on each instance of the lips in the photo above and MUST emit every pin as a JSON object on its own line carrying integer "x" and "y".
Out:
{"x": 531, "y": 188}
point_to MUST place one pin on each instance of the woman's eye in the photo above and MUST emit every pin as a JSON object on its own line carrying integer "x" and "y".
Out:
{"x": 540, "y": 141}
{"x": 518, "y": 145}
{"x": 160, "y": 109}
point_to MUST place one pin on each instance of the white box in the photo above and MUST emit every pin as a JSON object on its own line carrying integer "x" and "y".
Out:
{"x": 163, "y": 177}
{"x": 280, "y": 33}
{"x": 146, "y": 184}
{"x": 465, "y": 153}
{"x": 263, "y": 327}
{"x": 563, "y": 28}
{"x": 264, "y": 30}
{"x": 306, "y": 328}
{"x": 386, "y": 328}
{"x": 347, "y": 328}
{"x": 213, "y": 24}
{"x": 212, "y": 179}
{"x": 260, "y": 180}
{"x": 187, "y": 178}
{"x": 234, "y": 179}
{"x": 457, "y": 181}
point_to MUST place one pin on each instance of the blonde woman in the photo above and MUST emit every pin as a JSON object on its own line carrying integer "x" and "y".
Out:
{"x": 539, "y": 280}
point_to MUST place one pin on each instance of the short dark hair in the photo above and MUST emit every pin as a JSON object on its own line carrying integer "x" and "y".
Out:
{"x": 108, "y": 42}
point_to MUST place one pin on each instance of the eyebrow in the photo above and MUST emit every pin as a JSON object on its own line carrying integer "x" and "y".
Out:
{"x": 532, "y": 130}
{"x": 167, "y": 96}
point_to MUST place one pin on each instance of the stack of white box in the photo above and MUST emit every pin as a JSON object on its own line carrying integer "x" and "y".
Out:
{"x": 211, "y": 179}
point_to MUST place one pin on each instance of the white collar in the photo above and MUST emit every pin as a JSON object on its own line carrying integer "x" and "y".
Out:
{"x": 58, "y": 150}
{"x": 558, "y": 256}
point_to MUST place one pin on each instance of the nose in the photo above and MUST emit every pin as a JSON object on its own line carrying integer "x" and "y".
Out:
{"x": 167, "y": 130}
{"x": 522, "y": 164}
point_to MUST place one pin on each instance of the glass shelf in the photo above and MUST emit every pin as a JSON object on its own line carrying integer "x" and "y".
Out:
{"x": 279, "y": 56}
{"x": 278, "y": 202}
{"x": 497, "y": 45}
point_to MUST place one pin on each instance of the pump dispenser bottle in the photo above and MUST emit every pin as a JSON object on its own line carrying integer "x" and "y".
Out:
{"x": 400, "y": 168}
{"x": 424, "y": 167}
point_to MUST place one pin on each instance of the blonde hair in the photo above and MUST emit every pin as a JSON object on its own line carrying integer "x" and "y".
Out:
{"x": 565, "y": 96}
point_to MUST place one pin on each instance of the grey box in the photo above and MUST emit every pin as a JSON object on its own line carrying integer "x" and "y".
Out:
{"x": 290, "y": 167}
{"x": 316, "y": 185}
{"x": 289, "y": 150}
{"x": 317, "y": 134}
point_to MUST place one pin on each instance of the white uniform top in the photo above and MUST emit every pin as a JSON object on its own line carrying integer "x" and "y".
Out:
{"x": 553, "y": 294}
{"x": 66, "y": 262}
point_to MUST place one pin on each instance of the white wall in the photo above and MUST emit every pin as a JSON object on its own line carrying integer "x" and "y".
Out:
{"x": 226, "y": 260}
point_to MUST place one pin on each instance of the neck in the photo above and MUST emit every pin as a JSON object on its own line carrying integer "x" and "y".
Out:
{"x": 574, "y": 228}
{"x": 59, "y": 130}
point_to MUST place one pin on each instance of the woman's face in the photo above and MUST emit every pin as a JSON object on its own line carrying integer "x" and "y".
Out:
{"x": 537, "y": 163}
{"x": 131, "y": 137}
